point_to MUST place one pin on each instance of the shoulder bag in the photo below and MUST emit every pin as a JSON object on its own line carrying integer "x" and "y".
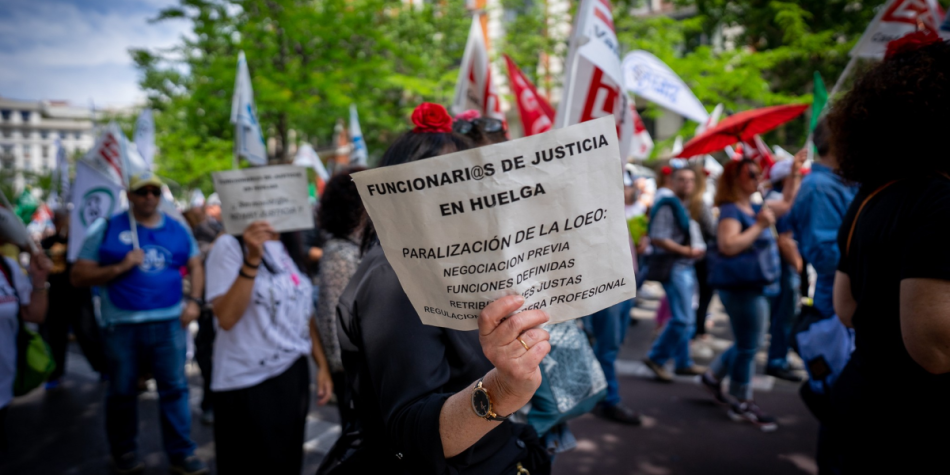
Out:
{"x": 34, "y": 361}
{"x": 757, "y": 266}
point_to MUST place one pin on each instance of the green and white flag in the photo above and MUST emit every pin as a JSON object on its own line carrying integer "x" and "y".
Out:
{"x": 95, "y": 196}
{"x": 818, "y": 103}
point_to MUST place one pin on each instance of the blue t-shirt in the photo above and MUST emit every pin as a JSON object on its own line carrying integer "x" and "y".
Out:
{"x": 730, "y": 210}
{"x": 112, "y": 314}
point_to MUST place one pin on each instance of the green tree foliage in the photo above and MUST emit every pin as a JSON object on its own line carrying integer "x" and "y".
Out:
{"x": 753, "y": 53}
{"x": 309, "y": 60}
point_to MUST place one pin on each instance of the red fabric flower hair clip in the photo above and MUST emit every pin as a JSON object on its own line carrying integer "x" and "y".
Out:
{"x": 431, "y": 118}
{"x": 666, "y": 170}
{"x": 911, "y": 42}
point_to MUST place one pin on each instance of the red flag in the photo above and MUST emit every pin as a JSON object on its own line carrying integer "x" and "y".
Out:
{"x": 537, "y": 116}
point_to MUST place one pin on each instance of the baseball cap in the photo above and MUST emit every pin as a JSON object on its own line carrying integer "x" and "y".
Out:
{"x": 144, "y": 179}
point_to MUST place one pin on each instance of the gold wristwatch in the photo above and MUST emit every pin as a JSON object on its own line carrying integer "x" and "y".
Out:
{"x": 481, "y": 403}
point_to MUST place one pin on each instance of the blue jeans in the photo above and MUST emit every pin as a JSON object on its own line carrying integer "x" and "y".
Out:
{"x": 674, "y": 341}
{"x": 609, "y": 327}
{"x": 160, "y": 348}
{"x": 784, "y": 309}
{"x": 749, "y": 314}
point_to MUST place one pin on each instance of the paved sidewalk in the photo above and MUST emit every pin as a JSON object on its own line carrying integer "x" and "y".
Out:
{"x": 62, "y": 431}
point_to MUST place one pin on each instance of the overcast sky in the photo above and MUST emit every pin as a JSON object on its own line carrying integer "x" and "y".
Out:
{"x": 77, "y": 50}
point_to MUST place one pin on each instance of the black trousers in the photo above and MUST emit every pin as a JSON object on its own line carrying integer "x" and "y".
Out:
{"x": 204, "y": 352}
{"x": 705, "y": 295}
{"x": 260, "y": 429}
{"x": 72, "y": 308}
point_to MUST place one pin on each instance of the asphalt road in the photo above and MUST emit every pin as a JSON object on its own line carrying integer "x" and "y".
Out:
{"x": 62, "y": 431}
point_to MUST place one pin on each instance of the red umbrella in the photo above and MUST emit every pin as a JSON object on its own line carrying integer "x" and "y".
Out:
{"x": 741, "y": 127}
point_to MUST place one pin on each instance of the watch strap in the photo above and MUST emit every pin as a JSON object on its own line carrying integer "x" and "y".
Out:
{"x": 491, "y": 416}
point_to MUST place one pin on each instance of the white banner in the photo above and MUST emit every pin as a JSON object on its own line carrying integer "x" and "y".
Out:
{"x": 277, "y": 194}
{"x": 359, "y": 154}
{"x": 542, "y": 216}
{"x": 307, "y": 157}
{"x": 593, "y": 84}
{"x": 144, "y": 137}
{"x": 248, "y": 141}
{"x": 106, "y": 155}
{"x": 94, "y": 196}
{"x": 648, "y": 77}
{"x": 642, "y": 142}
{"x": 474, "y": 88}
{"x": 894, "y": 20}
{"x": 62, "y": 174}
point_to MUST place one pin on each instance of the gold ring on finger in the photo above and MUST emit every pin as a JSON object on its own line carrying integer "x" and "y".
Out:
{"x": 525, "y": 345}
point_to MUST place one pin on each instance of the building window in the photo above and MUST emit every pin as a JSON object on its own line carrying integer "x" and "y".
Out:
{"x": 27, "y": 164}
{"x": 5, "y": 114}
{"x": 77, "y": 135}
{"x": 44, "y": 134}
{"x": 8, "y": 149}
{"x": 7, "y": 163}
{"x": 45, "y": 151}
{"x": 63, "y": 134}
{"x": 25, "y": 115}
{"x": 7, "y": 133}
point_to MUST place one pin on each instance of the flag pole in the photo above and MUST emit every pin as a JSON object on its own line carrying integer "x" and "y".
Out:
{"x": 133, "y": 228}
{"x": 575, "y": 44}
{"x": 235, "y": 159}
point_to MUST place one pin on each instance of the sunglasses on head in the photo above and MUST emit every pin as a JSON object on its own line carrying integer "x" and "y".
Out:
{"x": 485, "y": 124}
{"x": 148, "y": 190}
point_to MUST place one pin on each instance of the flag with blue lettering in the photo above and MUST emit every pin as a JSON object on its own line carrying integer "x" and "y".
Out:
{"x": 248, "y": 141}
{"x": 359, "y": 154}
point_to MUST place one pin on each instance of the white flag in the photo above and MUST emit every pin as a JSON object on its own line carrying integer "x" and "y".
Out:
{"x": 642, "y": 142}
{"x": 62, "y": 173}
{"x": 896, "y": 19}
{"x": 307, "y": 157}
{"x": 145, "y": 137}
{"x": 648, "y": 77}
{"x": 474, "y": 88}
{"x": 711, "y": 121}
{"x": 593, "y": 83}
{"x": 112, "y": 152}
{"x": 359, "y": 154}
{"x": 95, "y": 195}
{"x": 248, "y": 141}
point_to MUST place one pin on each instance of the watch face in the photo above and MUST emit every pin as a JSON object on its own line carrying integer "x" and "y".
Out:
{"x": 480, "y": 402}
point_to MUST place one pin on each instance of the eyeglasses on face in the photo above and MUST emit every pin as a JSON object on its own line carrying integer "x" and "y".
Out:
{"x": 148, "y": 190}
{"x": 485, "y": 124}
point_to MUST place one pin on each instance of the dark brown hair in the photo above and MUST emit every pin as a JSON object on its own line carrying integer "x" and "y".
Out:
{"x": 341, "y": 209}
{"x": 727, "y": 190}
{"x": 891, "y": 124}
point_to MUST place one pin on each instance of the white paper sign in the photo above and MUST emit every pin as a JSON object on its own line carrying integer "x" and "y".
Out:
{"x": 542, "y": 216}
{"x": 277, "y": 194}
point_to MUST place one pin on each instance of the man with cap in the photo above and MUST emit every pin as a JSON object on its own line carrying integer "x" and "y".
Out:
{"x": 785, "y": 299}
{"x": 144, "y": 313}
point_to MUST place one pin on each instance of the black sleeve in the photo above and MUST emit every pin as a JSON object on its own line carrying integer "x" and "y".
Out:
{"x": 925, "y": 251}
{"x": 845, "y": 260}
{"x": 408, "y": 369}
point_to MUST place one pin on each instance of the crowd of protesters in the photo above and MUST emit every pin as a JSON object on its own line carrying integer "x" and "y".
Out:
{"x": 264, "y": 302}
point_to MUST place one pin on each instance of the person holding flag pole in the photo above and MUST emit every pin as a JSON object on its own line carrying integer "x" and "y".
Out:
{"x": 593, "y": 86}
{"x": 134, "y": 258}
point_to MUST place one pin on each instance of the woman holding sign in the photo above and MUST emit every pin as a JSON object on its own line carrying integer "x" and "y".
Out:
{"x": 262, "y": 301}
{"x": 432, "y": 400}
